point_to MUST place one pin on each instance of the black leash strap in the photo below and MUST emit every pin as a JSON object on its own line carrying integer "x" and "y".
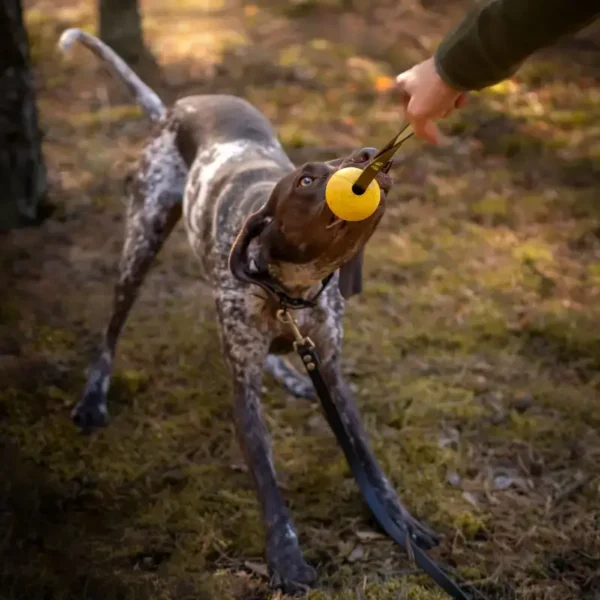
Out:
{"x": 380, "y": 160}
{"x": 305, "y": 348}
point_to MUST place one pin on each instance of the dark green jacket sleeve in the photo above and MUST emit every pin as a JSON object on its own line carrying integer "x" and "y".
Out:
{"x": 496, "y": 36}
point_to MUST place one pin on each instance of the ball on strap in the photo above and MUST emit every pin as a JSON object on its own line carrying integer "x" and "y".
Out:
{"x": 344, "y": 203}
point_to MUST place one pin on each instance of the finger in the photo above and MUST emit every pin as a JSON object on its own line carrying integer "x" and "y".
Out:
{"x": 421, "y": 123}
{"x": 432, "y": 132}
{"x": 448, "y": 112}
{"x": 426, "y": 129}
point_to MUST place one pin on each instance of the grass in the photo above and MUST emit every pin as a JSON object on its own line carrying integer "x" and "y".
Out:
{"x": 473, "y": 348}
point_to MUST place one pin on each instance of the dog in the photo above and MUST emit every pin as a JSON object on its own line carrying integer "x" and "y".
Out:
{"x": 260, "y": 227}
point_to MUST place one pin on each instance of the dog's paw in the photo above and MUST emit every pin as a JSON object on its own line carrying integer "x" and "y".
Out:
{"x": 287, "y": 567}
{"x": 90, "y": 413}
{"x": 293, "y": 579}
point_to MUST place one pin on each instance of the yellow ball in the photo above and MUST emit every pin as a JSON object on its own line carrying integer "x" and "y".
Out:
{"x": 344, "y": 203}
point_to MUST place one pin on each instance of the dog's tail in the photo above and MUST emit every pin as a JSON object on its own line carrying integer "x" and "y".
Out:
{"x": 144, "y": 96}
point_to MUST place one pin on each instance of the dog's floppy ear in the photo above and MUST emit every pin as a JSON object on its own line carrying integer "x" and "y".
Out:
{"x": 238, "y": 257}
{"x": 336, "y": 162}
{"x": 350, "y": 281}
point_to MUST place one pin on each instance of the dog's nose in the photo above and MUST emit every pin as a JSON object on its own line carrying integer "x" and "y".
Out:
{"x": 364, "y": 155}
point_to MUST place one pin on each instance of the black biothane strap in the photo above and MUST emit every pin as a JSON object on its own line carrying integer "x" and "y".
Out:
{"x": 364, "y": 478}
{"x": 380, "y": 160}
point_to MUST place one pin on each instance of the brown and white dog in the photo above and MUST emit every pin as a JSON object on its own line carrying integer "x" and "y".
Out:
{"x": 216, "y": 160}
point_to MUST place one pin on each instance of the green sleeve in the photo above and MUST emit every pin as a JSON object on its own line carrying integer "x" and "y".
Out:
{"x": 496, "y": 36}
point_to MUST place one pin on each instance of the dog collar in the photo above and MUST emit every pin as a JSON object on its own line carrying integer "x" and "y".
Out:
{"x": 287, "y": 301}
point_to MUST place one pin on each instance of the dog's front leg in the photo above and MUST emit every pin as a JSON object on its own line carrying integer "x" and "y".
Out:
{"x": 245, "y": 348}
{"x": 328, "y": 338}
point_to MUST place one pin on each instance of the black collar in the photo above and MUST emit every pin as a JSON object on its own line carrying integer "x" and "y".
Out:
{"x": 286, "y": 301}
{"x": 239, "y": 265}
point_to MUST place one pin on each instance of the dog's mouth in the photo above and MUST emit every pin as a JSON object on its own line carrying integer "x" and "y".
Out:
{"x": 384, "y": 182}
{"x": 387, "y": 166}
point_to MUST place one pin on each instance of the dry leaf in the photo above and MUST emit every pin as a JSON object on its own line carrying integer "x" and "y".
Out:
{"x": 368, "y": 536}
{"x": 357, "y": 554}
{"x": 470, "y": 498}
{"x": 258, "y": 568}
{"x": 383, "y": 83}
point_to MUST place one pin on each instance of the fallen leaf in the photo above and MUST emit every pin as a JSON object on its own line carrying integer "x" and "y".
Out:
{"x": 502, "y": 482}
{"x": 357, "y": 554}
{"x": 470, "y": 498}
{"x": 453, "y": 479}
{"x": 383, "y": 83}
{"x": 258, "y": 568}
{"x": 368, "y": 536}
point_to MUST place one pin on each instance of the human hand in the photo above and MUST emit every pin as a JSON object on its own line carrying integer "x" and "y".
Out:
{"x": 426, "y": 98}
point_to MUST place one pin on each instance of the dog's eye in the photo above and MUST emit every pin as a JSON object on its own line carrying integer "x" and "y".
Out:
{"x": 305, "y": 181}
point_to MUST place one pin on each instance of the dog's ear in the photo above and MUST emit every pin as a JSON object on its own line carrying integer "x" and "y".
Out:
{"x": 336, "y": 162}
{"x": 350, "y": 281}
{"x": 238, "y": 257}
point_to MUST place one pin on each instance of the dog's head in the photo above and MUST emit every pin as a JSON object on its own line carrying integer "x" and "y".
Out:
{"x": 299, "y": 240}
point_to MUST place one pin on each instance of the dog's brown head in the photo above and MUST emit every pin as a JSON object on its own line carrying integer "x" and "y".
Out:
{"x": 299, "y": 240}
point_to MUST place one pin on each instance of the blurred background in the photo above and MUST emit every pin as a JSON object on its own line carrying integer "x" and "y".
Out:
{"x": 474, "y": 349}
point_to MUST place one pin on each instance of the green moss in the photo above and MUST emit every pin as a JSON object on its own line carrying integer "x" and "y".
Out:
{"x": 593, "y": 271}
{"x": 533, "y": 251}
{"x": 387, "y": 590}
{"x": 130, "y": 381}
{"x": 469, "y": 524}
{"x": 492, "y": 209}
{"x": 53, "y": 339}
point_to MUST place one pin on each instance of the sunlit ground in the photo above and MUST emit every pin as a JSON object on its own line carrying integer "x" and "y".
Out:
{"x": 475, "y": 346}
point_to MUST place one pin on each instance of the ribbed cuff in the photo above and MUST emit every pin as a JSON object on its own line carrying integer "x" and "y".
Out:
{"x": 441, "y": 71}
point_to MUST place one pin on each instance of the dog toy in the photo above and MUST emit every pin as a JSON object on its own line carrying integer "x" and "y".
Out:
{"x": 353, "y": 194}
{"x": 344, "y": 202}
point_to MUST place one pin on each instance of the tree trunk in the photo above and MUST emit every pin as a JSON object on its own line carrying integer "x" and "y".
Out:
{"x": 121, "y": 28}
{"x": 22, "y": 170}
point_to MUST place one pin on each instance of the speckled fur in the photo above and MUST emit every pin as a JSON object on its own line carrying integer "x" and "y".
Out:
{"x": 215, "y": 160}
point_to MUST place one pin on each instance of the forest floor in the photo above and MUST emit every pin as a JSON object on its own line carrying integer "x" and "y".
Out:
{"x": 475, "y": 347}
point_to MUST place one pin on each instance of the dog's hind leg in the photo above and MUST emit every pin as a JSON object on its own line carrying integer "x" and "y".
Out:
{"x": 154, "y": 207}
{"x": 284, "y": 373}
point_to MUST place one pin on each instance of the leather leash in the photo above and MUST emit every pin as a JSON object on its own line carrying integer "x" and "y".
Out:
{"x": 380, "y": 160}
{"x": 307, "y": 351}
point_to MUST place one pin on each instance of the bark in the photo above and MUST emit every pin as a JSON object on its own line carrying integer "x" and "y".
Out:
{"x": 121, "y": 28}
{"x": 22, "y": 170}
